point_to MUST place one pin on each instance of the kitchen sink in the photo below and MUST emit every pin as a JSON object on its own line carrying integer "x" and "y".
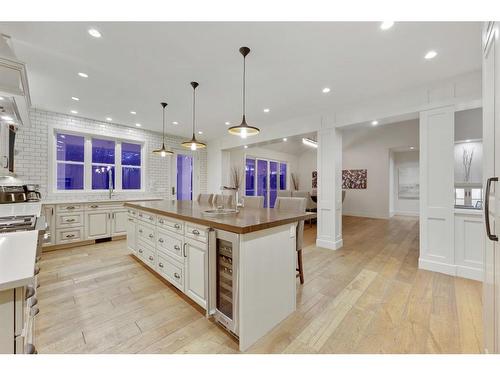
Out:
{"x": 220, "y": 211}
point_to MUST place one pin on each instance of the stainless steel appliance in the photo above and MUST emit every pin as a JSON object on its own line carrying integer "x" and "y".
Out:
{"x": 223, "y": 279}
{"x": 12, "y": 194}
{"x": 32, "y": 192}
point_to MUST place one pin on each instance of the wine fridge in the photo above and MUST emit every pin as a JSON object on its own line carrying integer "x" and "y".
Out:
{"x": 223, "y": 263}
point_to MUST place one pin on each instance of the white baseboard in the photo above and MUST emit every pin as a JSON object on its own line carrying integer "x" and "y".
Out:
{"x": 327, "y": 244}
{"x": 364, "y": 214}
{"x": 406, "y": 213}
{"x": 451, "y": 269}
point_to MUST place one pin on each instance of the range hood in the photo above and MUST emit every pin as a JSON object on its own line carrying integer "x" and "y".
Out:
{"x": 14, "y": 89}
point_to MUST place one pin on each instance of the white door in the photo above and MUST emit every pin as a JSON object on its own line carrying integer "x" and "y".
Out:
{"x": 131, "y": 228}
{"x": 98, "y": 224}
{"x": 119, "y": 222}
{"x": 196, "y": 266}
{"x": 491, "y": 149}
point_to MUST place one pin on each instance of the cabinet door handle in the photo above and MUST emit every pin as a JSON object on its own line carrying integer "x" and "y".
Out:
{"x": 177, "y": 226}
{"x": 184, "y": 249}
{"x": 177, "y": 276}
{"x": 140, "y": 230}
{"x": 160, "y": 265}
{"x": 151, "y": 235}
{"x": 52, "y": 211}
{"x": 160, "y": 240}
{"x": 176, "y": 247}
{"x": 492, "y": 237}
{"x": 140, "y": 251}
{"x": 195, "y": 231}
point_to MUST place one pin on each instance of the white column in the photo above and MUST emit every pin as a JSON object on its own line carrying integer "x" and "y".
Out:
{"x": 329, "y": 233}
{"x": 437, "y": 128}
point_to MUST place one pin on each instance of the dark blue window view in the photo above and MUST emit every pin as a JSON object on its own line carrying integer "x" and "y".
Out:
{"x": 273, "y": 182}
{"x": 282, "y": 176}
{"x": 131, "y": 154}
{"x": 70, "y": 151}
{"x": 250, "y": 177}
{"x": 100, "y": 176}
{"x": 103, "y": 151}
{"x": 131, "y": 162}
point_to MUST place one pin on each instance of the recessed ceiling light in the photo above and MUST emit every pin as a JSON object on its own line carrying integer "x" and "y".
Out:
{"x": 175, "y": 123}
{"x": 326, "y": 90}
{"x": 75, "y": 98}
{"x": 95, "y": 33}
{"x": 412, "y": 148}
{"x": 374, "y": 123}
{"x": 109, "y": 119}
{"x": 74, "y": 112}
{"x": 83, "y": 75}
{"x": 386, "y": 25}
{"x": 430, "y": 55}
{"x": 133, "y": 112}
{"x": 227, "y": 123}
{"x": 200, "y": 132}
{"x": 266, "y": 110}
{"x": 1, "y": 98}
{"x": 7, "y": 118}
{"x": 285, "y": 139}
{"x": 245, "y": 146}
{"x": 138, "y": 125}
{"x": 467, "y": 140}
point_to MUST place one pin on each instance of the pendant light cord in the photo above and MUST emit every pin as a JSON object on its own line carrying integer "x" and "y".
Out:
{"x": 194, "y": 106}
{"x": 163, "y": 114}
{"x": 244, "y": 80}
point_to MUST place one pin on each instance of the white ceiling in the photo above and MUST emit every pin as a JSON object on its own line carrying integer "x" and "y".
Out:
{"x": 134, "y": 66}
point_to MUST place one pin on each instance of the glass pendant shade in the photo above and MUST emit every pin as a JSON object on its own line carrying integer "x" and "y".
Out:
{"x": 244, "y": 130}
{"x": 163, "y": 151}
{"x": 193, "y": 144}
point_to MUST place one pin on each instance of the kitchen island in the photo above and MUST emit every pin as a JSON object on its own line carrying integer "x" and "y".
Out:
{"x": 239, "y": 267}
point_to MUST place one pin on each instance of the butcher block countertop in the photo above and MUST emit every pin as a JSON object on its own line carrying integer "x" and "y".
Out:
{"x": 247, "y": 220}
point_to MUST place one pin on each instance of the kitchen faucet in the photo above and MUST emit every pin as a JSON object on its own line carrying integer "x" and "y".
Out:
{"x": 110, "y": 182}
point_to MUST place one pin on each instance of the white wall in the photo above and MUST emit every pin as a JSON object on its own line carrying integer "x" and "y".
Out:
{"x": 369, "y": 148}
{"x": 32, "y": 156}
{"x": 404, "y": 159}
{"x": 469, "y": 124}
{"x": 307, "y": 163}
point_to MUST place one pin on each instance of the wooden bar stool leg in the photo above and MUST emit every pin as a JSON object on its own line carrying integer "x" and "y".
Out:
{"x": 300, "y": 270}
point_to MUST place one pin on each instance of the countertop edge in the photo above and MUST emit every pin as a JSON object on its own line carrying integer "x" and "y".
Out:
{"x": 213, "y": 224}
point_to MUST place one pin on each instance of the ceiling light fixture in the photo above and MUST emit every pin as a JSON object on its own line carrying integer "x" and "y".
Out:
{"x": 138, "y": 125}
{"x": 374, "y": 123}
{"x": 95, "y": 33}
{"x": 245, "y": 146}
{"x": 285, "y": 139}
{"x": 75, "y": 98}
{"x": 133, "y": 112}
{"x": 326, "y": 90}
{"x": 83, "y": 75}
{"x": 2, "y": 98}
{"x": 386, "y": 25}
{"x": 193, "y": 143}
{"x": 244, "y": 130}
{"x": 310, "y": 142}
{"x": 7, "y": 118}
{"x": 175, "y": 123}
{"x": 266, "y": 110}
{"x": 430, "y": 55}
{"x": 200, "y": 132}
{"x": 412, "y": 148}
{"x": 74, "y": 112}
{"x": 109, "y": 119}
{"x": 227, "y": 123}
{"x": 163, "y": 150}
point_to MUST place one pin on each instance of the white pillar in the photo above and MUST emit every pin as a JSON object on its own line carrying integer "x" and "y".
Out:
{"x": 329, "y": 233}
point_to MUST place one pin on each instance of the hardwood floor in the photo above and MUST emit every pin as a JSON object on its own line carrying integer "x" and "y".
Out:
{"x": 368, "y": 297}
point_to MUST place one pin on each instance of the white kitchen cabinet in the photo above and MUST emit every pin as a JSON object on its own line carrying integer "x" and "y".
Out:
{"x": 50, "y": 218}
{"x": 196, "y": 267}
{"x": 70, "y": 219}
{"x": 119, "y": 222}
{"x": 98, "y": 224}
{"x": 131, "y": 233}
{"x": 171, "y": 270}
{"x": 469, "y": 244}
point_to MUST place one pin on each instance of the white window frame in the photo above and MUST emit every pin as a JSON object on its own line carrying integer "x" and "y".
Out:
{"x": 87, "y": 172}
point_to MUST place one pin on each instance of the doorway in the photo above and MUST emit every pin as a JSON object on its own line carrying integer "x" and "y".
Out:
{"x": 183, "y": 171}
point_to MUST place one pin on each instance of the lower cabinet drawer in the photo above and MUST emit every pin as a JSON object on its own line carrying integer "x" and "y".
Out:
{"x": 69, "y": 235}
{"x": 197, "y": 232}
{"x": 147, "y": 254}
{"x": 69, "y": 219}
{"x": 146, "y": 233}
{"x": 171, "y": 270}
{"x": 170, "y": 244}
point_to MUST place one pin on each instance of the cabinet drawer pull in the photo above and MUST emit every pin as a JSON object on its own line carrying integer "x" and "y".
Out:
{"x": 195, "y": 231}
{"x": 140, "y": 251}
{"x": 140, "y": 230}
{"x": 69, "y": 220}
{"x": 160, "y": 265}
{"x": 70, "y": 236}
{"x": 151, "y": 235}
{"x": 94, "y": 206}
{"x": 30, "y": 292}
{"x": 140, "y": 215}
{"x": 160, "y": 240}
{"x": 177, "y": 276}
{"x": 161, "y": 221}
{"x": 177, "y": 247}
{"x": 151, "y": 257}
{"x": 130, "y": 219}
{"x": 70, "y": 207}
{"x": 177, "y": 226}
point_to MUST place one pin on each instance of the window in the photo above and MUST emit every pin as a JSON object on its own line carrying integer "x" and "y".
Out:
{"x": 87, "y": 163}
{"x": 264, "y": 178}
{"x": 250, "y": 177}
{"x": 70, "y": 162}
{"x": 282, "y": 176}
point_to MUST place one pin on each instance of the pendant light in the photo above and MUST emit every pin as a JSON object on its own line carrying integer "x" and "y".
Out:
{"x": 193, "y": 143}
{"x": 244, "y": 130}
{"x": 163, "y": 151}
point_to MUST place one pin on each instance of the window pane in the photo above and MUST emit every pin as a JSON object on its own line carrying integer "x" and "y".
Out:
{"x": 273, "y": 182}
{"x": 184, "y": 177}
{"x": 131, "y": 178}
{"x": 131, "y": 154}
{"x": 69, "y": 176}
{"x": 250, "y": 177}
{"x": 262, "y": 179}
{"x": 70, "y": 147}
{"x": 100, "y": 175}
{"x": 103, "y": 151}
{"x": 283, "y": 176}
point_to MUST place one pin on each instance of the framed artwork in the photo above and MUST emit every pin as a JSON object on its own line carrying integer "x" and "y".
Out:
{"x": 315, "y": 179}
{"x": 408, "y": 185}
{"x": 354, "y": 178}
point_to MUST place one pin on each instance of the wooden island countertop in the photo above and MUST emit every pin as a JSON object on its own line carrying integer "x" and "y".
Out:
{"x": 247, "y": 220}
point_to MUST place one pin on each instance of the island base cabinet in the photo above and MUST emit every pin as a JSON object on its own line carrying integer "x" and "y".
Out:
{"x": 196, "y": 262}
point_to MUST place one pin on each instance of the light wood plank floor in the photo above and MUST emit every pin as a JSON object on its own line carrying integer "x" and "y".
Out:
{"x": 368, "y": 297}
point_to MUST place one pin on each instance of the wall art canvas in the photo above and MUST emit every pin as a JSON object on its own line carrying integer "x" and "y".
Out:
{"x": 315, "y": 179}
{"x": 354, "y": 178}
{"x": 408, "y": 185}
